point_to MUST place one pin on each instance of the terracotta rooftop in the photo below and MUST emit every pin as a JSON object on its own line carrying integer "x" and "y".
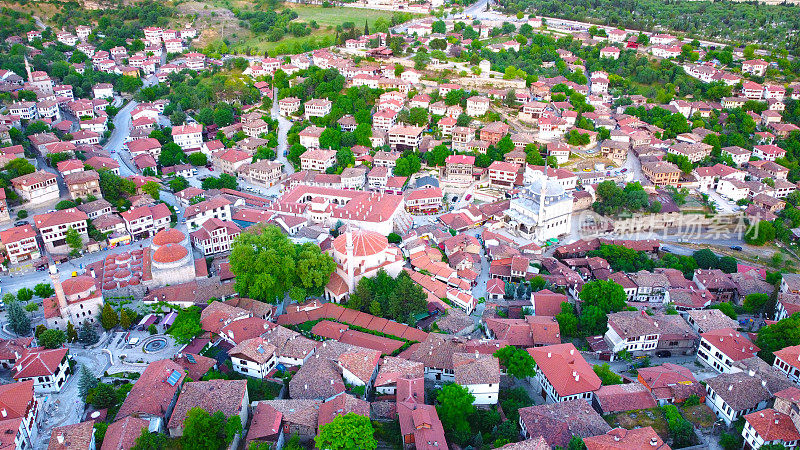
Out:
{"x": 565, "y": 368}
{"x": 227, "y": 396}
{"x": 78, "y": 436}
{"x": 154, "y": 391}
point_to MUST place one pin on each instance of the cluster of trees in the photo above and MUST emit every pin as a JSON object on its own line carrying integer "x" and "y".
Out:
{"x": 267, "y": 265}
{"x": 784, "y": 333}
{"x": 612, "y": 200}
{"x": 398, "y": 299}
{"x": 599, "y": 298}
{"x": 477, "y": 428}
{"x": 770, "y": 25}
{"x": 186, "y": 325}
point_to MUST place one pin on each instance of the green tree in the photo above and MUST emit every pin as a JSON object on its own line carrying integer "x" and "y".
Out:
{"x": 680, "y": 429}
{"x": 73, "y": 239}
{"x": 72, "y": 334}
{"x": 204, "y": 431}
{"x": 64, "y": 204}
{"x": 455, "y": 405}
{"x": 86, "y": 382}
{"x": 198, "y": 159}
{"x": 87, "y": 335}
{"x": 24, "y": 294}
{"x": 726, "y": 309}
{"x": 44, "y": 290}
{"x": 706, "y": 259}
{"x": 607, "y": 376}
{"x": 756, "y": 303}
{"x": 126, "y": 318}
{"x": 152, "y": 189}
{"x": 605, "y": 294}
{"x": 267, "y": 264}
{"x": 760, "y": 233}
{"x": 728, "y": 264}
{"x": 186, "y": 325}
{"x": 108, "y": 317}
{"x": 772, "y": 338}
{"x": 567, "y": 321}
{"x": 346, "y": 432}
{"x": 102, "y": 396}
{"x": 517, "y": 361}
{"x": 53, "y": 338}
{"x": 178, "y": 184}
{"x": 18, "y": 321}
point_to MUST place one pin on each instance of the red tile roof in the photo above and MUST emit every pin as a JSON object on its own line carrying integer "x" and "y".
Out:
{"x": 565, "y": 369}
{"x": 39, "y": 362}
{"x": 152, "y": 394}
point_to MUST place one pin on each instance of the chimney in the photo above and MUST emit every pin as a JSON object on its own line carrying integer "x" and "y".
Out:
{"x": 60, "y": 437}
{"x": 616, "y": 437}
{"x": 653, "y": 442}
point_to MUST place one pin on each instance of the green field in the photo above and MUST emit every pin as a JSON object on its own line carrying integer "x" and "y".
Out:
{"x": 327, "y": 19}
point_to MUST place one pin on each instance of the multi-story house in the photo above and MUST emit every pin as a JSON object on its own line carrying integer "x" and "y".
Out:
{"x": 662, "y": 173}
{"x": 146, "y": 221}
{"x": 83, "y": 184}
{"x": 53, "y": 228}
{"x": 263, "y": 172}
{"x": 459, "y": 168}
{"x": 47, "y": 368}
{"x": 309, "y": 136}
{"x": 229, "y": 161}
{"x": 502, "y": 175}
{"x": 289, "y": 105}
{"x": 215, "y": 236}
{"x": 317, "y": 159}
{"x": 477, "y": 106}
{"x": 404, "y": 137}
{"x": 720, "y": 349}
{"x": 563, "y": 374}
{"x": 188, "y": 136}
{"x": 254, "y": 357}
{"x": 20, "y": 243}
{"x": 216, "y": 207}
{"x": 317, "y": 107}
{"x": 461, "y": 137}
{"x": 493, "y": 132}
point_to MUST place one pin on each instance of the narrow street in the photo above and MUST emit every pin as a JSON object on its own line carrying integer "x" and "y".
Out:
{"x": 115, "y": 143}
{"x": 284, "y": 125}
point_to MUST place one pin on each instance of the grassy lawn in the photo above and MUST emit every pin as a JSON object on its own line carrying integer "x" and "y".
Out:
{"x": 700, "y": 415}
{"x": 327, "y": 19}
{"x": 336, "y": 16}
{"x": 641, "y": 418}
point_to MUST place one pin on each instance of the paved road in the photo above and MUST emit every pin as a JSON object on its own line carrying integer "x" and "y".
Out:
{"x": 115, "y": 143}
{"x": 284, "y": 125}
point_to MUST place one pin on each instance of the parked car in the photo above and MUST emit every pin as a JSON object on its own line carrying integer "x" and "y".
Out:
{"x": 663, "y": 353}
{"x": 20, "y": 223}
{"x": 738, "y": 248}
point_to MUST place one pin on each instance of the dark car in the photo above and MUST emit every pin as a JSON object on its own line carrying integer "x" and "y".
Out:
{"x": 738, "y": 248}
{"x": 20, "y": 223}
{"x": 663, "y": 353}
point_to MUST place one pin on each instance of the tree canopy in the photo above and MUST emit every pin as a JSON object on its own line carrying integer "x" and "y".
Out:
{"x": 517, "y": 361}
{"x": 348, "y": 431}
{"x": 267, "y": 265}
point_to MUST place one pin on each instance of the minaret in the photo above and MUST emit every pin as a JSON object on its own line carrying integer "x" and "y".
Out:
{"x": 63, "y": 311}
{"x": 350, "y": 263}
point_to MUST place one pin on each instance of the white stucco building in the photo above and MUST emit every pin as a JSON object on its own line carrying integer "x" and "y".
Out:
{"x": 360, "y": 253}
{"x": 542, "y": 210}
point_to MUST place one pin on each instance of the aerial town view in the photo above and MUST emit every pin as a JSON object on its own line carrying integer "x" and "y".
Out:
{"x": 399, "y": 224}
